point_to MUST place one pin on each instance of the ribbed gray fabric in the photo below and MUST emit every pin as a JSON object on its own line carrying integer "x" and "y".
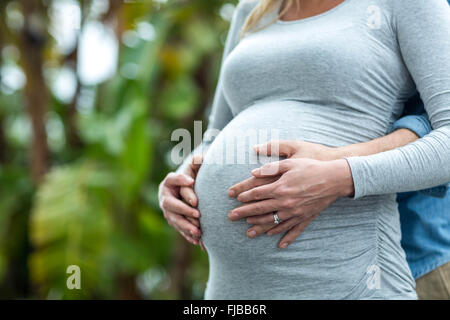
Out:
{"x": 338, "y": 78}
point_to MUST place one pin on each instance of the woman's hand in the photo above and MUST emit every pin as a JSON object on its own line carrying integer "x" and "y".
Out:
{"x": 175, "y": 191}
{"x": 187, "y": 192}
{"x": 293, "y": 226}
{"x": 306, "y": 187}
{"x": 289, "y": 149}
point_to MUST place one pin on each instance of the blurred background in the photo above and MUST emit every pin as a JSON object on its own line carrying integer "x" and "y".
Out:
{"x": 90, "y": 92}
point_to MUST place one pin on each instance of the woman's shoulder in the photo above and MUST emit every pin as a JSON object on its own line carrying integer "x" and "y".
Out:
{"x": 408, "y": 12}
{"x": 248, "y": 4}
{"x": 406, "y": 7}
{"x": 244, "y": 7}
{"x": 241, "y": 13}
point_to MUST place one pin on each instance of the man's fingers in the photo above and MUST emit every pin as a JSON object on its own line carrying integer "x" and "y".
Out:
{"x": 275, "y": 148}
{"x": 293, "y": 234}
{"x": 249, "y": 184}
{"x": 175, "y": 205}
{"x": 259, "y": 193}
{"x": 179, "y": 180}
{"x": 254, "y": 209}
{"x": 272, "y": 169}
{"x": 268, "y": 218}
{"x": 189, "y": 196}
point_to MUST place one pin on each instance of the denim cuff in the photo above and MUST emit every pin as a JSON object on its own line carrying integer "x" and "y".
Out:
{"x": 438, "y": 192}
{"x": 418, "y": 124}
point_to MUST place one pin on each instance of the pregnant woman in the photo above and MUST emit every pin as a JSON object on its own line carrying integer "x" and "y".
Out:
{"x": 339, "y": 73}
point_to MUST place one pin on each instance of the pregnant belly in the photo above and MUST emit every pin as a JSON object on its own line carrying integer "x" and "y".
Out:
{"x": 334, "y": 251}
{"x": 230, "y": 159}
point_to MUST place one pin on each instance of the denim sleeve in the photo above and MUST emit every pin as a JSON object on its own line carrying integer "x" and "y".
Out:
{"x": 419, "y": 124}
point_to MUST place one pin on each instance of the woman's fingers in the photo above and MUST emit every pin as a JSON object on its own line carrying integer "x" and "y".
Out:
{"x": 192, "y": 169}
{"x": 190, "y": 172}
{"x": 256, "y": 231}
{"x": 196, "y": 163}
{"x": 189, "y": 196}
{"x": 187, "y": 192}
{"x": 272, "y": 228}
{"x": 254, "y": 209}
{"x": 195, "y": 222}
{"x": 293, "y": 234}
{"x": 249, "y": 184}
{"x": 179, "y": 215}
{"x": 178, "y": 180}
{"x": 202, "y": 245}
{"x": 284, "y": 226}
{"x": 173, "y": 204}
{"x": 262, "y": 219}
{"x": 183, "y": 225}
{"x": 189, "y": 239}
{"x": 268, "y": 218}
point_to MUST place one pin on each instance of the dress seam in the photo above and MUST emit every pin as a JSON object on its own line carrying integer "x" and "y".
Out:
{"x": 377, "y": 245}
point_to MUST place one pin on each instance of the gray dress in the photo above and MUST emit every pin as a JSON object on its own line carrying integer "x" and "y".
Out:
{"x": 338, "y": 78}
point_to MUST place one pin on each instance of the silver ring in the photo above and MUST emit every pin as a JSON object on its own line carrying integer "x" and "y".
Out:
{"x": 276, "y": 220}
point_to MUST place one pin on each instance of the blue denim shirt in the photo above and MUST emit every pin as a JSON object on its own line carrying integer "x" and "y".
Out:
{"x": 424, "y": 215}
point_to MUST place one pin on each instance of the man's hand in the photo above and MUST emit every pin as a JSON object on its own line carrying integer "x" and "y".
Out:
{"x": 288, "y": 149}
{"x": 306, "y": 188}
{"x": 175, "y": 192}
{"x": 298, "y": 149}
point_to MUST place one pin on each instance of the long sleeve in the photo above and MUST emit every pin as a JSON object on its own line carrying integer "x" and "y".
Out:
{"x": 221, "y": 113}
{"x": 421, "y": 126}
{"x": 423, "y": 34}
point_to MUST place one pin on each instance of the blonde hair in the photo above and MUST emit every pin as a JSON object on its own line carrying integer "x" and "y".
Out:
{"x": 264, "y": 7}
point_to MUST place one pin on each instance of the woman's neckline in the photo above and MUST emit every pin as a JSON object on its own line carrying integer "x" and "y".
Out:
{"x": 317, "y": 16}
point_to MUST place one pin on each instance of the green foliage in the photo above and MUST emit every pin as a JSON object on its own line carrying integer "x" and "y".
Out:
{"x": 97, "y": 206}
{"x": 70, "y": 226}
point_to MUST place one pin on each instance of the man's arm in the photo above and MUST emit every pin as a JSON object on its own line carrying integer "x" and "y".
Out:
{"x": 406, "y": 130}
{"x": 396, "y": 139}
